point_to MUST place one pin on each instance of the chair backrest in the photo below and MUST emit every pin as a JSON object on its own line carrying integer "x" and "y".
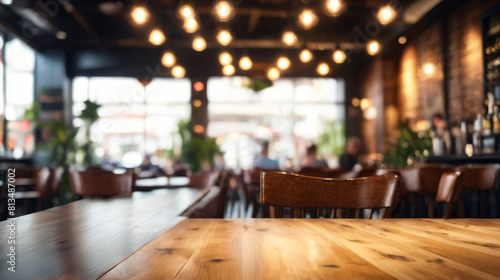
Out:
{"x": 448, "y": 190}
{"x": 101, "y": 183}
{"x": 423, "y": 178}
{"x": 297, "y": 191}
{"x": 202, "y": 180}
{"x": 480, "y": 177}
{"x": 223, "y": 181}
{"x": 56, "y": 178}
{"x": 322, "y": 172}
{"x": 252, "y": 176}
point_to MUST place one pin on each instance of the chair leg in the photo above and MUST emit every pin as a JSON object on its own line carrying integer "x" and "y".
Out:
{"x": 431, "y": 207}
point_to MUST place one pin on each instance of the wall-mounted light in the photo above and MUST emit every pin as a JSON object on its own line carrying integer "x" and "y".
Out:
{"x": 199, "y": 129}
{"x": 365, "y": 103}
{"x": 323, "y": 69}
{"x": 373, "y": 47}
{"x": 307, "y": 19}
{"x": 335, "y": 7}
{"x": 224, "y": 10}
{"x": 428, "y": 69}
{"x": 386, "y": 15}
{"x": 283, "y": 63}
{"x": 225, "y": 58}
{"x": 289, "y": 38}
{"x": 228, "y": 70}
{"x": 245, "y": 63}
{"x": 402, "y": 40}
{"x": 156, "y": 37}
{"x": 198, "y": 86}
{"x": 199, "y": 44}
{"x": 197, "y": 103}
{"x": 224, "y": 37}
{"x": 370, "y": 113}
{"x": 339, "y": 56}
{"x": 273, "y": 74}
{"x": 168, "y": 59}
{"x": 178, "y": 71}
{"x": 190, "y": 25}
{"x": 305, "y": 56}
{"x": 139, "y": 15}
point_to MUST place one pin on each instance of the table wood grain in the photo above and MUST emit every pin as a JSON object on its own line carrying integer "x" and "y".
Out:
{"x": 319, "y": 249}
{"x": 86, "y": 238}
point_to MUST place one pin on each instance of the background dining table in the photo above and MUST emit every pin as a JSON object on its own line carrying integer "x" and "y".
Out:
{"x": 319, "y": 249}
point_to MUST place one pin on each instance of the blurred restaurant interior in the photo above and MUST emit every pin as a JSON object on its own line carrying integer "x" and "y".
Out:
{"x": 199, "y": 97}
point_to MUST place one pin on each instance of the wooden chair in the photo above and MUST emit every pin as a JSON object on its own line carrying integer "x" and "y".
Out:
{"x": 101, "y": 183}
{"x": 322, "y": 172}
{"x": 280, "y": 189}
{"x": 223, "y": 182}
{"x": 448, "y": 191}
{"x": 481, "y": 179}
{"x": 40, "y": 195}
{"x": 202, "y": 180}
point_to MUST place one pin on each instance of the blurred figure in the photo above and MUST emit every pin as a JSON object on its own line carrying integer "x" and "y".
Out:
{"x": 263, "y": 161}
{"x": 311, "y": 160}
{"x": 149, "y": 170}
{"x": 441, "y": 134}
{"x": 350, "y": 157}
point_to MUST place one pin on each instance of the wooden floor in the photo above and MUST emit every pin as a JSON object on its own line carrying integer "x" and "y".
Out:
{"x": 319, "y": 249}
{"x": 84, "y": 239}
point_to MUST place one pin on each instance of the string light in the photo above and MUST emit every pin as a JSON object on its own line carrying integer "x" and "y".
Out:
{"x": 339, "y": 56}
{"x": 156, "y": 37}
{"x": 386, "y": 15}
{"x": 224, "y": 10}
{"x": 168, "y": 59}
{"x": 199, "y": 44}
{"x": 178, "y": 71}
{"x": 140, "y": 15}
{"x": 373, "y": 47}
{"x": 335, "y": 7}
{"x": 228, "y": 70}
{"x": 307, "y": 19}
{"x": 224, "y": 37}
{"x": 273, "y": 74}
{"x": 323, "y": 69}
{"x": 186, "y": 11}
{"x": 225, "y": 58}
{"x": 283, "y": 63}
{"x": 245, "y": 63}
{"x": 305, "y": 56}
{"x": 190, "y": 25}
{"x": 289, "y": 38}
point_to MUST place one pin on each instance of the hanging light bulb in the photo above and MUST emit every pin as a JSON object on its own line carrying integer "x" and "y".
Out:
{"x": 245, "y": 63}
{"x": 228, "y": 70}
{"x": 386, "y": 15}
{"x": 225, "y": 58}
{"x": 199, "y": 44}
{"x": 224, "y": 10}
{"x": 335, "y": 7}
{"x": 178, "y": 71}
{"x": 283, "y": 63}
{"x": 323, "y": 69}
{"x": 273, "y": 74}
{"x": 289, "y": 38}
{"x": 307, "y": 19}
{"x": 305, "y": 56}
{"x": 156, "y": 37}
{"x": 186, "y": 11}
{"x": 190, "y": 25}
{"x": 224, "y": 37}
{"x": 140, "y": 15}
{"x": 339, "y": 56}
{"x": 373, "y": 47}
{"x": 168, "y": 59}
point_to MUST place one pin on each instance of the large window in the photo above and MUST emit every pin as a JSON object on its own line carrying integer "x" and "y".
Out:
{"x": 19, "y": 79}
{"x": 134, "y": 120}
{"x": 291, "y": 114}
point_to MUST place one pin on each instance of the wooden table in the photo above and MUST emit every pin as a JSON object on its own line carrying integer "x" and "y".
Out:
{"x": 86, "y": 238}
{"x": 319, "y": 249}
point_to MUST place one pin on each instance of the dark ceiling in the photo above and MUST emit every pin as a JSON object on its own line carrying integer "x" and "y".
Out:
{"x": 257, "y": 24}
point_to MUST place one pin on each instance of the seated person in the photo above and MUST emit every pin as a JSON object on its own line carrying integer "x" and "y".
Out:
{"x": 350, "y": 157}
{"x": 149, "y": 170}
{"x": 263, "y": 161}
{"x": 311, "y": 160}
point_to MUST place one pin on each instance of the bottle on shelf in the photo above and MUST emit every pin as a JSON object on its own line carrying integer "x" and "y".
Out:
{"x": 496, "y": 121}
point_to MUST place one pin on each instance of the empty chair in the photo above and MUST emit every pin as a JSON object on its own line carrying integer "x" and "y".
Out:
{"x": 40, "y": 195}
{"x": 251, "y": 185}
{"x": 202, "y": 180}
{"x": 279, "y": 189}
{"x": 101, "y": 183}
{"x": 481, "y": 179}
{"x": 448, "y": 191}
